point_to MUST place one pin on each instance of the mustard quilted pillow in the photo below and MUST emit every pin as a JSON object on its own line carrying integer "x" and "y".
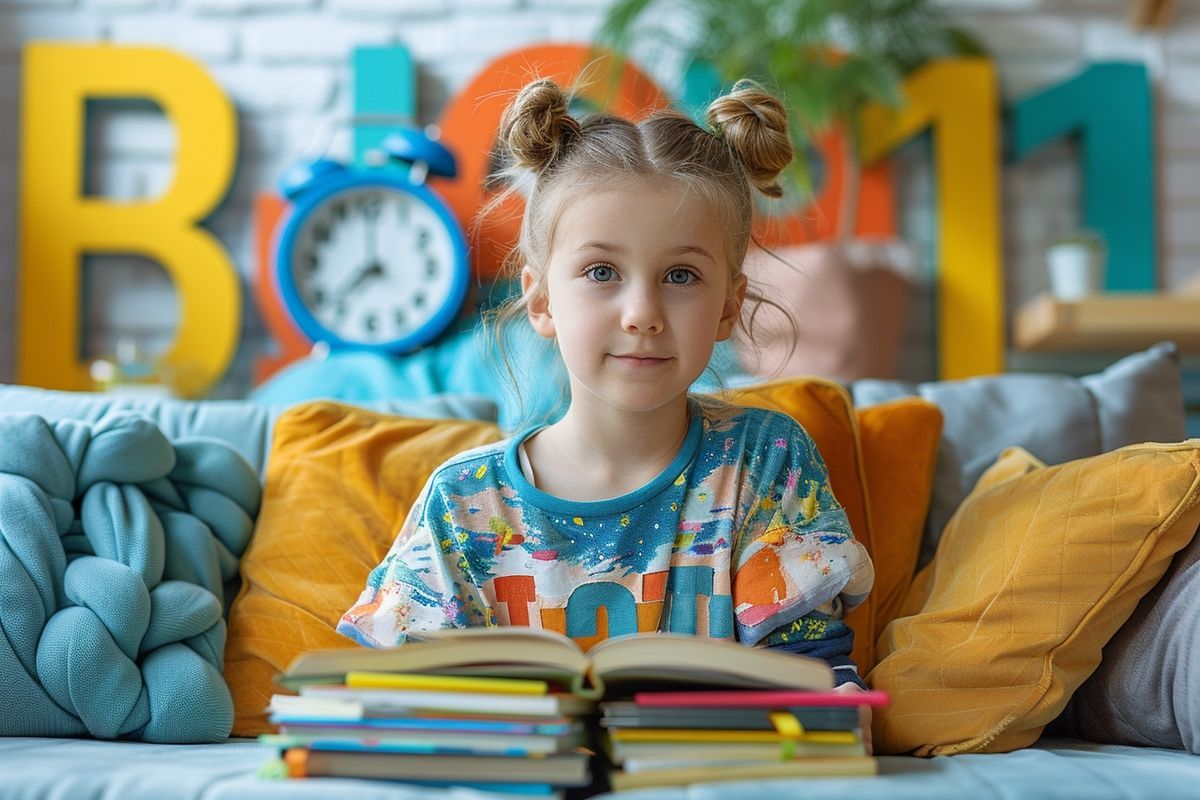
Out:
{"x": 1035, "y": 572}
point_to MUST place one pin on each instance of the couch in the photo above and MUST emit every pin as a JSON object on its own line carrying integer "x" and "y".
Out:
{"x": 1121, "y": 657}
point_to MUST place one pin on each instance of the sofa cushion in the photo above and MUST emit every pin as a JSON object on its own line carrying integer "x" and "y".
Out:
{"x": 64, "y": 769}
{"x": 1056, "y": 417}
{"x": 899, "y": 441}
{"x": 1147, "y": 688}
{"x": 338, "y": 470}
{"x": 1034, "y": 574}
{"x": 245, "y": 425}
{"x": 339, "y": 484}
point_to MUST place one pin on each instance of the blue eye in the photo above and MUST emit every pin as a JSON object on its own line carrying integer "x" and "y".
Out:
{"x": 680, "y": 276}
{"x": 601, "y": 273}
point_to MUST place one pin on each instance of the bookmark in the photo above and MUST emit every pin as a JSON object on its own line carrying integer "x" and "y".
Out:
{"x": 790, "y": 729}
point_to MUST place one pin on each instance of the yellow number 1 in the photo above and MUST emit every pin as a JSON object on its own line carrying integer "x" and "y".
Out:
{"x": 958, "y": 99}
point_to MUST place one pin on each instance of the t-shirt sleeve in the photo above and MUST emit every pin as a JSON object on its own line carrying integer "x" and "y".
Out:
{"x": 794, "y": 552}
{"x": 422, "y": 584}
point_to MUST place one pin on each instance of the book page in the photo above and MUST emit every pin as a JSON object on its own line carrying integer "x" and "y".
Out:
{"x": 499, "y": 651}
{"x": 664, "y": 658}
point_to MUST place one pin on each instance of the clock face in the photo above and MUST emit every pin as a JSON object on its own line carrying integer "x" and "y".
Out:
{"x": 373, "y": 264}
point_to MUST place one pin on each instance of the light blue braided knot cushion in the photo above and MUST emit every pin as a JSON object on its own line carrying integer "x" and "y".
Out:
{"x": 115, "y": 545}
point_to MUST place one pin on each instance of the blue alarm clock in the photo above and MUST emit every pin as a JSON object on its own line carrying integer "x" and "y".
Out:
{"x": 369, "y": 257}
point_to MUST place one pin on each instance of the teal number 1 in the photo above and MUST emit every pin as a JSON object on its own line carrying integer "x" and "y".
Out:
{"x": 1108, "y": 106}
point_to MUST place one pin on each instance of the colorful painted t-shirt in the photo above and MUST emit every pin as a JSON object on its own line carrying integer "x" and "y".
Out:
{"x": 740, "y": 537}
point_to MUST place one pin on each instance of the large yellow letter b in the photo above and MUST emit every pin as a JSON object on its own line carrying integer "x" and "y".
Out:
{"x": 59, "y": 224}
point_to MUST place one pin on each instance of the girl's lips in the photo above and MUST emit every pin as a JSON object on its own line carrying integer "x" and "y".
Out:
{"x": 641, "y": 361}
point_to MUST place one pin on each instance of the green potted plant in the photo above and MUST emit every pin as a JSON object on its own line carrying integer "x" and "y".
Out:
{"x": 827, "y": 59}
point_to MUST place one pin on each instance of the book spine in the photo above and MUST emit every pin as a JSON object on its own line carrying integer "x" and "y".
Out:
{"x": 445, "y": 683}
{"x": 757, "y": 699}
{"x": 543, "y": 705}
{"x": 296, "y": 760}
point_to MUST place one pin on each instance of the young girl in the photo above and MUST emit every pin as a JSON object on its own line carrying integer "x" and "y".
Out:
{"x": 640, "y": 509}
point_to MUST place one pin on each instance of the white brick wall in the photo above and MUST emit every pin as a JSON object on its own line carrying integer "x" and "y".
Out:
{"x": 36, "y": 3}
{"x": 1180, "y": 132}
{"x": 19, "y": 25}
{"x": 429, "y": 41}
{"x": 277, "y": 89}
{"x": 1020, "y": 77}
{"x": 392, "y": 8}
{"x": 285, "y": 65}
{"x": 123, "y": 5}
{"x": 1182, "y": 184}
{"x": 130, "y": 129}
{"x": 128, "y": 294}
{"x": 1027, "y": 36}
{"x": 320, "y": 39}
{"x": 214, "y": 42}
{"x": 237, "y": 8}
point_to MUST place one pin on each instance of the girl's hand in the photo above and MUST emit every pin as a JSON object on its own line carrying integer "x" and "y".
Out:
{"x": 864, "y": 713}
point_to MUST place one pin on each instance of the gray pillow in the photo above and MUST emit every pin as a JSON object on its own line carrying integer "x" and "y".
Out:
{"x": 244, "y": 424}
{"x": 1058, "y": 418}
{"x": 1147, "y": 688}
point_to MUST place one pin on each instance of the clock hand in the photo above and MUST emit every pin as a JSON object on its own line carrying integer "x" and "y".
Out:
{"x": 373, "y": 269}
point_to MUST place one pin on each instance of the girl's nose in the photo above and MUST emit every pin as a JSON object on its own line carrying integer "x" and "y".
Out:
{"x": 642, "y": 312}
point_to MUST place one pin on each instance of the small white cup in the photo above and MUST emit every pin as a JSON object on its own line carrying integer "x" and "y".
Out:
{"x": 1075, "y": 270}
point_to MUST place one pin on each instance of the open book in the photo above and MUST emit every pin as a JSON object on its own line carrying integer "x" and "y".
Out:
{"x": 636, "y": 661}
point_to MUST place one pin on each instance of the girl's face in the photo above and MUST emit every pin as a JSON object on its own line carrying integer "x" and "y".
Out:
{"x": 637, "y": 292}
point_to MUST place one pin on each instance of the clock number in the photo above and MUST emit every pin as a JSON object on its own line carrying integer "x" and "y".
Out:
{"x": 418, "y": 299}
{"x": 370, "y": 322}
{"x": 423, "y": 238}
{"x": 372, "y": 204}
{"x": 400, "y": 320}
{"x": 321, "y": 232}
{"x": 431, "y": 268}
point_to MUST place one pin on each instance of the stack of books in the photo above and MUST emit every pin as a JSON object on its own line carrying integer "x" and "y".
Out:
{"x": 508, "y": 735}
{"x": 514, "y": 709}
{"x": 676, "y": 738}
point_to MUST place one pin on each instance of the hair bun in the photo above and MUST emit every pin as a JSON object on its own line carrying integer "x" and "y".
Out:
{"x": 536, "y": 127}
{"x": 753, "y": 123}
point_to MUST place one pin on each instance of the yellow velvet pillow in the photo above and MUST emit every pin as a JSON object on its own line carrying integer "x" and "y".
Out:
{"x": 339, "y": 484}
{"x": 1035, "y": 572}
{"x": 899, "y": 441}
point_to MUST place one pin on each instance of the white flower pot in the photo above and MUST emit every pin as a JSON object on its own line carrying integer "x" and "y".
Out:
{"x": 1076, "y": 270}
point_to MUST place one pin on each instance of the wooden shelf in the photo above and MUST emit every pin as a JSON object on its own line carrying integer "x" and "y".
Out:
{"x": 1112, "y": 321}
{"x": 1151, "y": 13}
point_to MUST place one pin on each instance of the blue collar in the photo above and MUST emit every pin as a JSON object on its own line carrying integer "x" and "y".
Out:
{"x": 534, "y": 496}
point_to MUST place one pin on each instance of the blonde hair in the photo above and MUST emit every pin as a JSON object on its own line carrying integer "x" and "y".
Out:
{"x": 745, "y": 147}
